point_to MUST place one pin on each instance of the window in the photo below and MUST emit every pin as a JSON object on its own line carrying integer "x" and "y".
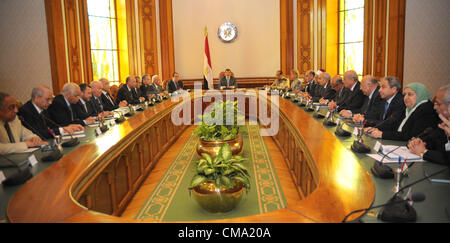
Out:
{"x": 103, "y": 34}
{"x": 351, "y": 36}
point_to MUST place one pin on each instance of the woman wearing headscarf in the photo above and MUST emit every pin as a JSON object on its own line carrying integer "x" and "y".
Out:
{"x": 419, "y": 115}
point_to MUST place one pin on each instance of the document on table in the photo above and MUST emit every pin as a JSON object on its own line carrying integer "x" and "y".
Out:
{"x": 393, "y": 157}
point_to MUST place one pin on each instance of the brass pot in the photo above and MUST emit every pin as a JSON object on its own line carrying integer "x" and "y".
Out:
{"x": 218, "y": 200}
{"x": 212, "y": 147}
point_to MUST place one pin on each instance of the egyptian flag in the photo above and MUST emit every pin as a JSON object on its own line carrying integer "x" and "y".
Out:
{"x": 208, "y": 82}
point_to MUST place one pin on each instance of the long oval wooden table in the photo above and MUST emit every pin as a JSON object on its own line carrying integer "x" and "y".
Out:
{"x": 96, "y": 181}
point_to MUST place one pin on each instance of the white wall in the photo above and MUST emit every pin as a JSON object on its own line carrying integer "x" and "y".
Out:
{"x": 427, "y": 43}
{"x": 24, "y": 58}
{"x": 256, "y": 52}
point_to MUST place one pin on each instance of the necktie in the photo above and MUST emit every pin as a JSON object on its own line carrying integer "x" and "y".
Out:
{"x": 10, "y": 135}
{"x": 71, "y": 112}
{"x": 85, "y": 107}
{"x": 386, "y": 107}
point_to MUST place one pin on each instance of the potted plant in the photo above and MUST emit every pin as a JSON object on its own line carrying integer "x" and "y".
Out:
{"x": 220, "y": 181}
{"x": 212, "y": 136}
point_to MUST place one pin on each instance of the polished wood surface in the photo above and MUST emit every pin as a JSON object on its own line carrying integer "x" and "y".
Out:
{"x": 335, "y": 184}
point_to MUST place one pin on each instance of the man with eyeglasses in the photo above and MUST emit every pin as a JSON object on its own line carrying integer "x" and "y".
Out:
{"x": 435, "y": 147}
{"x": 13, "y": 136}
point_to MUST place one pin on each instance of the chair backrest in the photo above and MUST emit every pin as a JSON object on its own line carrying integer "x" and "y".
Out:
{"x": 222, "y": 74}
{"x": 114, "y": 89}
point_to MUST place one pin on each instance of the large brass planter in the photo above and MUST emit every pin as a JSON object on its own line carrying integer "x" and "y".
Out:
{"x": 212, "y": 147}
{"x": 217, "y": 200}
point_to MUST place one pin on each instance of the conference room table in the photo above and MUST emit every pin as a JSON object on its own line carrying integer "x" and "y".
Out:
{"x": 434, "y": 209}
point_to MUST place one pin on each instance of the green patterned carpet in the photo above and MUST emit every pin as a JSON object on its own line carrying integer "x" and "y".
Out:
{"x": 170, "y": 200}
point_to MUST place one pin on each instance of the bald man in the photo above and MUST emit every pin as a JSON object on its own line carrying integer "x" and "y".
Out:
{"x": 61, "y": 110}
{"x": 96, "y": 100}
{"x": 128, "y": 92}
{"x": 35, "y": 116}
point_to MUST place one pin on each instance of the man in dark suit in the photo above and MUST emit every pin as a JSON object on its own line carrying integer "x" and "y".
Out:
{"x": 84, "y": 107}
{"x": 127, "y": 92}
{"x": 311, "y": 85}
{"x": 325, "y": 89}
{"x": 145, "y": 87}
{"x": 373, "y": 105}
{"x": 107, "y": 100}
{"x": 96, "y": 100}
{"x": 341, "y": 93}
{"x": 393, "y": 105}
{"x": 355, "y": 98}
{"x": 173, "y": 84}
{"x": 35, "y": 117}
{"x": 227, "y": 81}
{"x": 62, "y": 110}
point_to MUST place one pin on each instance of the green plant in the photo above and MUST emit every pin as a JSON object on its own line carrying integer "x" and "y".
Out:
{"x": 221, "y": 131}
{"x": 224, "y": 169}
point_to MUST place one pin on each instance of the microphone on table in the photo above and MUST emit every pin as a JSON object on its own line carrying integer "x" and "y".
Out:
{"x": 402, "y": 212}
{"x": 121, "y": 117}
{"x": 381, "y": 170}
{"x": 72, "y": 142}
{"x": 51, "y": 152}
{"x": 415, "y": 197}
{"x": 358, "y": 145}
{"x": 18, "y": 178}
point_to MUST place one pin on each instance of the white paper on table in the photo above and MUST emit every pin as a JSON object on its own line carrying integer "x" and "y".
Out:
{"x": 387, "y": 160}
{"x": 399, "y": 152}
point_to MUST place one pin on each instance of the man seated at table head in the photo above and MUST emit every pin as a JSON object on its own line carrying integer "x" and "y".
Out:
{"x": 435, "y": 146}
{"x": 280, "y": 82}
{"x": 393, "y": 105}
{"x": 296, "y": 84}
{"x": 373, "y": 103}
{"x": 355, "y": 98}
{"x": 35, "y": 117}
{"x": 62, "y": 111}
{"x": 14, "y": 137}
{"x": 107, "y": 100}
{"x": 127, "y": 92}
{"x": 325, "y": 89}
{"x": 228, "y": 81}
{"x": 174, "y": 83}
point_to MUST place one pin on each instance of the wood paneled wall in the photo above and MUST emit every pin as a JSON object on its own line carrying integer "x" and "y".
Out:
{"x": 148, "y": 36}
{"x": 167, "y": 45}
{"x": 305, "y": 51}
{"x": 287, "y": 35}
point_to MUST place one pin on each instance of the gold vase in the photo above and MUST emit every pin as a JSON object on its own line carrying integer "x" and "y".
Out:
{"x": 218, "y": 200}
{"x": 212, "y": 147}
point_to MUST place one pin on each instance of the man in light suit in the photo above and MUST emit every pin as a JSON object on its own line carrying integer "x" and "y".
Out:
{"x": 13, "y": 136}
{"x": 227, "y": 81}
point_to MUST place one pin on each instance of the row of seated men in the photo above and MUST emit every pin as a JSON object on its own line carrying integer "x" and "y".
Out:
{"x": 45, "y": 116}
{"x": 383, "y": 108}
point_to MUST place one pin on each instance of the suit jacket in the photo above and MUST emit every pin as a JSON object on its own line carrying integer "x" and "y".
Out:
{"x": 327, "y": 93}
{"x": 20, "y": 134}
{"x": 313, "y": 88}
{"x": 60, "y": 112}
{"x": 436, "y": 142}
{"x": 129, "y": 95}
{"x": 354, "y": 100}
{"x": 423, "y": 117}
{"x": 172, "y": 86}
{"x": 372, "y": 108}
{"x": 223, "y": 82}
{"x": 341, "y": 96}
{"x": 394, "y": 115}
{"x": 145, "y": 91}
{"x": 35, "y": 122}
{"x": 155, "y": 89}
{"x": 108, "y": 102}
{"x": 85, "y": 112}
{"x": 180, "y": 84}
